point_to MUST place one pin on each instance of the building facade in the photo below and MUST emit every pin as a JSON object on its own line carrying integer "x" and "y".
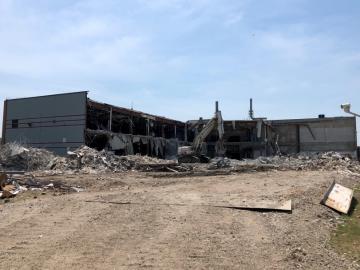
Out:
{"x": 63, "y": 122}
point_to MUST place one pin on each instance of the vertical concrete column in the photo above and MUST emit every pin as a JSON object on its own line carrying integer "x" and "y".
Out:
{"x": 147, "y": 134}
{"x": 110, "y": 119}
{"x": 3, "y": 140}
{"x": 298, "y": 141}
{"x": 163, "y": 131}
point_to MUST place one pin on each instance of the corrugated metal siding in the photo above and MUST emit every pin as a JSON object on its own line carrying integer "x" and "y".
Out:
{"x": 54, "y": 122}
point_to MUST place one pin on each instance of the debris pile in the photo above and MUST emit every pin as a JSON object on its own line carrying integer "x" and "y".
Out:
{"x": 218, "y": 163}
{"x": 87, "y": 159}
{"x": 163, "y": 167}
{"x": 314, "y": 161}
{"x": 90, "y": 160}
{"x": 10, "y": 186}
{"x": 310, "y": 161}
{"x": 14, "y": 156}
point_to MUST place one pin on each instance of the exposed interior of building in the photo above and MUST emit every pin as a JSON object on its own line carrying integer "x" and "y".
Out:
{"x": 63, "y": 122}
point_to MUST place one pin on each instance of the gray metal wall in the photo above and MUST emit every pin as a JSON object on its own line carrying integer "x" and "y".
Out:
{"x": 55, "y": 122}
{"x": 317, "y": 135}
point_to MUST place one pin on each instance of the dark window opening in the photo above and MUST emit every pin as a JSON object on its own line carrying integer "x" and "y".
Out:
{"x": 15, "y": 123}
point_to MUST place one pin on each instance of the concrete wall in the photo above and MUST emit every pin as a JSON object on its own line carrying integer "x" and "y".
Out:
{"x": 55, "y": 122}
{"x": 317, "y": 135}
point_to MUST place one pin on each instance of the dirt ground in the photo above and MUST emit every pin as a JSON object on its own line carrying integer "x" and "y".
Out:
{"x": 72, "y": 231}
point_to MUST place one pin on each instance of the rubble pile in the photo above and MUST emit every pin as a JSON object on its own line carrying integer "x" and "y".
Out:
{"x": 10, "y": 186}
{"x": 90, "y": 160}
{"x": 309, "y": 161}
{"x": 218, "y": 163}
{"x": 87, "y": 159}
{"x": 14, "y": 156}
{"x": 317, "y": 161}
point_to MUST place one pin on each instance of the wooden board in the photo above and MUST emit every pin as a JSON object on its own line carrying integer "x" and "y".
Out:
{"x": 261, "y": 205}
{"x": 251, "y": 206}
{"x": 338, "y": 197}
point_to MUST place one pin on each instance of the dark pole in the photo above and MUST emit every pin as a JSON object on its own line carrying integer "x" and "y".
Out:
{"x": 251, "y": 112}
{"x": 3, "y": 139}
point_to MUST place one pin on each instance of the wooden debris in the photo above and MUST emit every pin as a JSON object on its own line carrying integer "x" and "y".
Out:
{"x": 338, "y": 197}
{"x": 8, "y": 191}
{"x": 259, "y": 206}
{"x": 3, "y": 178}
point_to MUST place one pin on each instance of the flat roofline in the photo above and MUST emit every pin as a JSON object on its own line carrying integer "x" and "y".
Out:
{"x": 51, "y": 95}
{"x": 301, "y": 120}
{"x": 139, "y": 113}
{"x": 136, "y": 113}
{"x": 242, "y": 121}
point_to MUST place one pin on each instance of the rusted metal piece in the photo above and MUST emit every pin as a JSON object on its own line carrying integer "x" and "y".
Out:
{"x": 338, "y": 197}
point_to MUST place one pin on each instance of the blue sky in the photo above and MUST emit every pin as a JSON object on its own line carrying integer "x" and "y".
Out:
{"x": 296, "y": 58}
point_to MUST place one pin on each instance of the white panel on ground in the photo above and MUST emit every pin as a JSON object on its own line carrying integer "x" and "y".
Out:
{"x": 338, "y": 197}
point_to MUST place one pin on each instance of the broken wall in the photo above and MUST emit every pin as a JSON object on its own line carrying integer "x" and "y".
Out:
{"x": 130, "y": 132}
{"x": 242, "y": 138}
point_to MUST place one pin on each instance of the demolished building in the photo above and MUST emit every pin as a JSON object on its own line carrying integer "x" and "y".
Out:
{"x": 64, "y": 122}
{"x": 254, "y": 138}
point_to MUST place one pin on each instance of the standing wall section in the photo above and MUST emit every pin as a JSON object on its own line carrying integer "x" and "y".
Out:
{"x": 55, "y": 122}
{"x": 317, "y": 135}
{"x": 332, "y": 135}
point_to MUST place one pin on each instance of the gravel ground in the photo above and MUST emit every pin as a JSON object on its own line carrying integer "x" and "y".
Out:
{"x": 66, "y": 231}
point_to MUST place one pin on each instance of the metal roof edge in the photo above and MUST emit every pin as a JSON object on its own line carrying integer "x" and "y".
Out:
{"x": 310, "y": 119}
{"x": 59, "y": 94}
{"x": 137, "y": 112}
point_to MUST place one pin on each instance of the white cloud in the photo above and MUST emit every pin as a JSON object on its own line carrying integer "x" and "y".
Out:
{"x": 87, "y": 29}
{"x": 165, "y": 51}
{"x": 42, "y": 46}
{"x": 233, "y": 19}
{"x": 289, "y": 47}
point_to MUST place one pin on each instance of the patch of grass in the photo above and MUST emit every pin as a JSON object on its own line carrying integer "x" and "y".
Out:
{"x": 346, "y": 238}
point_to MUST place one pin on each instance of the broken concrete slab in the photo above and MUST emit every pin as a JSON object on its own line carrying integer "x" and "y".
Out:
{"x": 338, "y": 197}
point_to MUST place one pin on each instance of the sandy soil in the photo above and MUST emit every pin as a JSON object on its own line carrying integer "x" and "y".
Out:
{"x": 53, "y": 231}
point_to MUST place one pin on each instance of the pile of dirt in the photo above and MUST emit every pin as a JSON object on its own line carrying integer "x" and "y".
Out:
{"x": 14, "y": 156}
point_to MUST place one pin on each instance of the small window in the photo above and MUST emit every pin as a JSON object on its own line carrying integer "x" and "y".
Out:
{"x": 15, "y": 123}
